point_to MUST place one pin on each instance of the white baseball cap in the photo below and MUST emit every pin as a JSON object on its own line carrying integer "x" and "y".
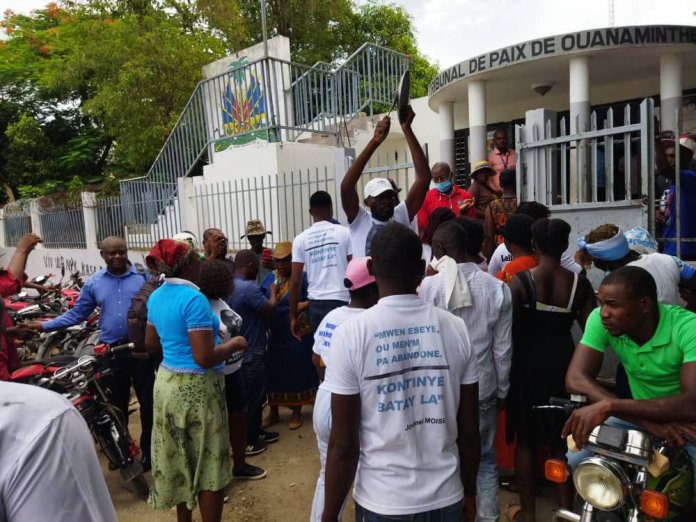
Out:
{"x": 377, "y": 186}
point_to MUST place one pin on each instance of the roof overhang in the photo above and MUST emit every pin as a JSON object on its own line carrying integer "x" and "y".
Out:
{"x": 616, "y": 54}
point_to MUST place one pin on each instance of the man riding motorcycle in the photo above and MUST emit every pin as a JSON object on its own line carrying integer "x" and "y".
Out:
{"x": 656, "y": 343}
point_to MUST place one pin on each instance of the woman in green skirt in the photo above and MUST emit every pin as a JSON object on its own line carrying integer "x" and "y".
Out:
{"x": 190, "y": 444}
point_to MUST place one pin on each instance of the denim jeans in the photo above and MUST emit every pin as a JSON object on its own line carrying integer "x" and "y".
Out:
{"x": 318, "y": 308}
{"x": 487, "y": 504}
{"x": 451, "y": 513}
{"x": 575, "y": 457}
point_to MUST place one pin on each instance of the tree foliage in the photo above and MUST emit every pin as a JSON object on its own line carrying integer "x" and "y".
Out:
{"x": 90, "y": 89}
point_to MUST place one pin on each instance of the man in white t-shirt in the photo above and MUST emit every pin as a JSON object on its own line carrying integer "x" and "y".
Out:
{"x": 323, "y": 250}
{"x": 379, "y": 193}
{"x": 363, "y": 295}
{"x": 404, "y": 403}
{"x": 485, "y": 305}
{"x": 49, "y": 469}
{"x": 608, "y": 248}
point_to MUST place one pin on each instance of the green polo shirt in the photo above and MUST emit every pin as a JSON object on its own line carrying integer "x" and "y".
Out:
{"x": 653, "y": 369}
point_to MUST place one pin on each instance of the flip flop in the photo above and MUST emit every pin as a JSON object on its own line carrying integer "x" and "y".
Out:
{"x": 512, "y": 511}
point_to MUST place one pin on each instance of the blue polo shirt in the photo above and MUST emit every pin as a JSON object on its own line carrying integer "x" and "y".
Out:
{"x": 113, "y": 295}
{"x": 175, "y": 309}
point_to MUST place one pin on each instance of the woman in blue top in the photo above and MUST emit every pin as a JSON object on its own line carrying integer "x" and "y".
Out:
{"x": 190, "y": 447}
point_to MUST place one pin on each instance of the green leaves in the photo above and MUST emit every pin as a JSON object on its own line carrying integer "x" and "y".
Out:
{"x": 92, "y": 88}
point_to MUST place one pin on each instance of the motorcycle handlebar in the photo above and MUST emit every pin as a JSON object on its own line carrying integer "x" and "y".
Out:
{"x": 104, "y": 350}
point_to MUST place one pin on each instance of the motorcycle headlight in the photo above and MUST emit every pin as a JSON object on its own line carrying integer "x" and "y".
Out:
{"x": 600, "y": 482}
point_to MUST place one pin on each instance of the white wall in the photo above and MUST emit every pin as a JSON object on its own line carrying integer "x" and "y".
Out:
{"x": 43, "y": 261}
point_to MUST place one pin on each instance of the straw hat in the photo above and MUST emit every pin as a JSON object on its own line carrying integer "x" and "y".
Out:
{"x": 254, "y": 227}
{"x": 282, "y": 249}
{"x": 480, "y": 167}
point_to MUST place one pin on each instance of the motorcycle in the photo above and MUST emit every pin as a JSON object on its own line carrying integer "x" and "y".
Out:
{"x": 80, "y": 381}
{"x": 630, "y": 476}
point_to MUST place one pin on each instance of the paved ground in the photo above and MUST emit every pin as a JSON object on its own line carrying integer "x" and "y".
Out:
{"x": 285, "y": 495}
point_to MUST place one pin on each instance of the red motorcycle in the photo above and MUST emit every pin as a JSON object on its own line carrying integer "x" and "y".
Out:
{"x": 80, "y": 380}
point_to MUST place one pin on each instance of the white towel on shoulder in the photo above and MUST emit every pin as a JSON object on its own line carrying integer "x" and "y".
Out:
{"x": 457, "y": 292}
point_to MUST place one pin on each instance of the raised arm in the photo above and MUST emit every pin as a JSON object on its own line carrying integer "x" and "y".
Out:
{"x": 18, "y": 263}
{"x": 349, "y": 194}
{"x": 416, "y": 194}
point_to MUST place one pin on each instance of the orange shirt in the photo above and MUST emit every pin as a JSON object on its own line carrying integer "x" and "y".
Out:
{"x": 519, "y": 264}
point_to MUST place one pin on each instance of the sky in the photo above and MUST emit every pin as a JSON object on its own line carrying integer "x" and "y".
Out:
{"x": 450, "y": 31}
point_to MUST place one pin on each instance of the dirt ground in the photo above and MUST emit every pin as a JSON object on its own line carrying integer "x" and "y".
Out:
{"x": 285, "y": 495}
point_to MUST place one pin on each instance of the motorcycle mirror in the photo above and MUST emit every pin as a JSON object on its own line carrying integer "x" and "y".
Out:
{"x": 62, "y": 271}
{"x": 40, "y": 280}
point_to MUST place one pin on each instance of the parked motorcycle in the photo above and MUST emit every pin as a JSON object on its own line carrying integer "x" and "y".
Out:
{"x": 630, "y": 476}
{"x": 80, "y": 381}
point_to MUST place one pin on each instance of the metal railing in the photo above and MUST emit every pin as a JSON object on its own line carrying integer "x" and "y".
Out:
{"x": 597, "y": 166}
{"x": 62, "y": 224}
{"x": 114, "y": 217}
{"x": 396, "y": 165}
{"x": 268, "y": 99}
{"x": 16, "y": 221}
{"x": 281, "y": 202}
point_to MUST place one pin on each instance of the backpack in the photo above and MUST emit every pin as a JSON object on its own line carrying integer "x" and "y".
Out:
{"x": 137, "y": 313}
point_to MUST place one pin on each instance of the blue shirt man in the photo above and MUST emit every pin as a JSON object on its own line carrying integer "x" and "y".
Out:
{"x": 112, "y": 294}
{"x": 112, "y": 289}
{"x": 254, "y": 309}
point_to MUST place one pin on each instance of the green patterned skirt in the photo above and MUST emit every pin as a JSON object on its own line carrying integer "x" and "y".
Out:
{"x": 190, "y": 442}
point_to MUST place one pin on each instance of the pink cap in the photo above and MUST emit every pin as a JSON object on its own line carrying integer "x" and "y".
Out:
{"x": 357, "y": 274}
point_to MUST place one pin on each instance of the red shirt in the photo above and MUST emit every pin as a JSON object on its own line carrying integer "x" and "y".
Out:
{"x": 9, "y": 361}
{"x": 436, "y": 199}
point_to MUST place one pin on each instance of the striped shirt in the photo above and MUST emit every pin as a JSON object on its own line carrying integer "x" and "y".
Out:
{"x": 489, "y": 320}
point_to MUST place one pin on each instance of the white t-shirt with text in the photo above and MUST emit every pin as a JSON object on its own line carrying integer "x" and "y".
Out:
{"x": 407, "y": 360}
{"x": 324, "y": 333}
{"x": 502, "y": 256}
{"x": 324, "y": 249}
{"x": 363, "y": 223}
{"x": 230, "y": 321}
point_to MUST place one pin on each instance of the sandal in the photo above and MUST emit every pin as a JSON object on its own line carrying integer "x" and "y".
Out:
{"x": 296, "y": 421}
{"x": 512, "y": 511}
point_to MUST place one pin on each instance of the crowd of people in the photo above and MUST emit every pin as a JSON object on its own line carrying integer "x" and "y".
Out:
{"x": 408, "y": 345}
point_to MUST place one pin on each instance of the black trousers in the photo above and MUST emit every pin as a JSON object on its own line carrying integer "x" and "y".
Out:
{"x": 253, "y": 372}
{"x": 125, "y": 369}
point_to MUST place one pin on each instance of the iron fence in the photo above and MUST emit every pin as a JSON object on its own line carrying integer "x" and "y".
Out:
{"x": 396, "y": 165}
{"x": 138, "y": 223}
{"x": 16, "y": 221}
{"x": 62, "y": 224}
{"x": 281, "y": 202}
{"x": 606, "y": 165}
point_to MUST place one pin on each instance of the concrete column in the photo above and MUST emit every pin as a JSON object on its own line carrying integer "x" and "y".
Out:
{"x": 35, "y": 218}
{"x": 579, "y": 102}
{"x": 477, "y": 121}
{"x": 3, "y": 243}
{"x": 670, "y": 92}
{"x": 188, "y": 207}
{"x": 446, "y": 122}
{"x": 579, "y": 94}
{"x": 89, "y": 211}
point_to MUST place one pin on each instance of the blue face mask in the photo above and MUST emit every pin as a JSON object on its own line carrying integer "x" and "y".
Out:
{"x": 444, "y": 186}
